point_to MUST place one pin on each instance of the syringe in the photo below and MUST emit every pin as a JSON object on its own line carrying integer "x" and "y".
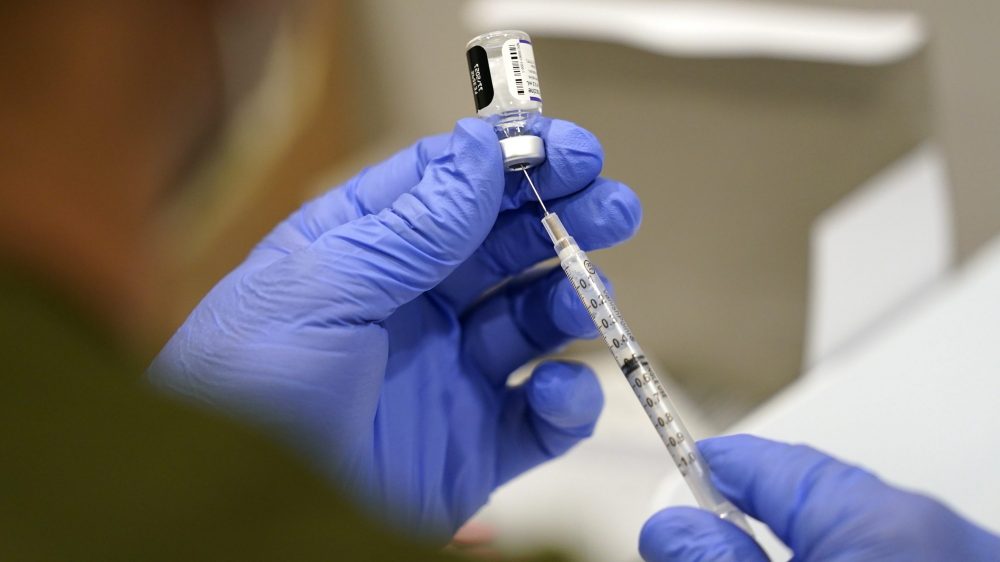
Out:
{"x": 637, "y": 370}
{"x": 506, "y": 90}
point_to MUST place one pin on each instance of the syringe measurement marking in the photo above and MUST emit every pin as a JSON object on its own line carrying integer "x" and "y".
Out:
{"x": 631, "y": 359}
{"x": 641, "y": 376}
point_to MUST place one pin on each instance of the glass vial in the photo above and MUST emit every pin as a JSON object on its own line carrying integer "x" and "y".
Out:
{"x": 507, "y": 94}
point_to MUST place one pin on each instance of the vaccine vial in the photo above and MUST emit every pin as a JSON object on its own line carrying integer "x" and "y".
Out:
{"x": 507, "y": 94}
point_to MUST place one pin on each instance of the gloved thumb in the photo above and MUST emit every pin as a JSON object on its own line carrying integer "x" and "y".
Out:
{"x": 687, "y": 534}
{"x": 362, "y": 271}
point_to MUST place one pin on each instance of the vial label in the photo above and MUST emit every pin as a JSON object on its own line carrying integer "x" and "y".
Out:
{"x": 479, "y": 73}
{"x": 522, "y": 75}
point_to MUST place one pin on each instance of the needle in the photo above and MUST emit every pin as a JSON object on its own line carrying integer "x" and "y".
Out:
{"x": 535, "y": 189}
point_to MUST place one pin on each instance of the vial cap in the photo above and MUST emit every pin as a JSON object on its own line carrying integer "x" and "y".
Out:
{"x": 523, "y": 151}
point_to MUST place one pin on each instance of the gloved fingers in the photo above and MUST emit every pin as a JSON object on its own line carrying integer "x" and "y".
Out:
{"x": 573, "y": 159}
{"x": 824, "y": 509}
{"x": 547, "y": 415}
{"x": 799, "y": 492}
{"x": 364, "y": 270}
{"x": 688, "y": 534}
{"x": 372, "y": 190}
{"x": 378, "y": 186}
{"x": 602, "y": 215}
{"x": 521, "y": 321}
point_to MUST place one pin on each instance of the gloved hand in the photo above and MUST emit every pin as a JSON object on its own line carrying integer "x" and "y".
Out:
{"x": 365, "y": 329}
{"x": 821, "y": 508}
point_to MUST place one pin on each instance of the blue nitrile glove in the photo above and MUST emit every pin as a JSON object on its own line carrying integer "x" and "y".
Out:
{"x": 823, "y": 509}
{"x": 364, "y": 328}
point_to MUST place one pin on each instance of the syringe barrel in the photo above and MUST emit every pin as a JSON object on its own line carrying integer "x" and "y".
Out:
{"x": 640, "y": 375}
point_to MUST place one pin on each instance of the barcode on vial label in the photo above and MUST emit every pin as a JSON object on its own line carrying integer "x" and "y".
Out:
{"x": 515, "y": 65}
{"x": 522, "y": 75}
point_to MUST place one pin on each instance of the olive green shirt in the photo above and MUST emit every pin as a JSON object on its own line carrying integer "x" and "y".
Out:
{"x": 94, "y": 465}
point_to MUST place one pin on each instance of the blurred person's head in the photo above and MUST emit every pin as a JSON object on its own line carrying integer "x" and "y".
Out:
{"x": 104, "y": 106}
